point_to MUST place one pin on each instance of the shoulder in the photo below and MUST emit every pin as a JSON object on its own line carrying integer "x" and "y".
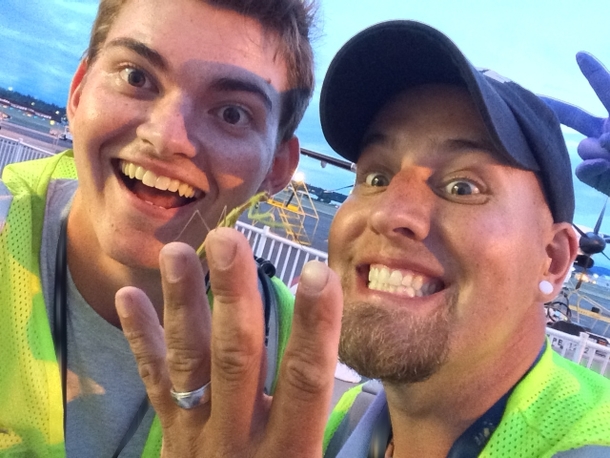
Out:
{"x": 359, "y": 407}
{"x": 556, "y": 380}
{"x": 558, "y": 406}
{"x": 27, "y": 182}
{"x": 6, "y": 197}
{"x": 32, "y": 177}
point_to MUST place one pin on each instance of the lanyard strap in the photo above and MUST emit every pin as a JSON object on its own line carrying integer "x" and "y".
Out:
{"x": 469, "y": 444}
{"x": 60, "y": 337}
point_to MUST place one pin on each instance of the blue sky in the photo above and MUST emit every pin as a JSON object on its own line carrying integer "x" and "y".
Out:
{"x": 533, "y": 42}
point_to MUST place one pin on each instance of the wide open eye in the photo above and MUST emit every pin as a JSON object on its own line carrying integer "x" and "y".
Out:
{"x": 136, "y": 77}
{"x": 376, "y": 179}
{"x": 234, "y": 115}
{"x": 461, "y": 187}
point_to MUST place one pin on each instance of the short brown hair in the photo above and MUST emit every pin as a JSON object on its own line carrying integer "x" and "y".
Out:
{"x": 291, "y": 20}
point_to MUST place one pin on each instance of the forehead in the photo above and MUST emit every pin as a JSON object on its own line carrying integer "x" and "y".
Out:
{"x": 436, "y": 126}
{"x": 186, "y": 31}
{"x": 431, "y": 119}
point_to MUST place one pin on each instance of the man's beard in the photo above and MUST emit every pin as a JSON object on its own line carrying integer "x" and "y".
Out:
{"x": 392, "y": 344}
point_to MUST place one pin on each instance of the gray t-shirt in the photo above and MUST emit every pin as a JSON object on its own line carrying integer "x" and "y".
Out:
{"x": 100, "y": 363}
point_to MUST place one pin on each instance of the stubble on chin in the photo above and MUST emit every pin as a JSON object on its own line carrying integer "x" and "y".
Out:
{"x": 392, "y": 344}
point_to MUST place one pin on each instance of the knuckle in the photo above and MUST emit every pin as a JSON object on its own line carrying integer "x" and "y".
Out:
{"x": 235, "y": 356}
{"x": 150, "y": 373}
{"x": 304, "y": 374}
{"x": 141, "y": 348}
{"x": 224, "y": 291}
{"x": 148, "y": 361}
{"x": 185, "y": 360}
{"x": 136, "y": 338}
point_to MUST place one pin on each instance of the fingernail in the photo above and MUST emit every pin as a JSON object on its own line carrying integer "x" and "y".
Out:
{"x": 314, "y": 277}
{"x": 122, "y": 302}
{"x": 173, "y": 264}
{"x": 220, "y": 250}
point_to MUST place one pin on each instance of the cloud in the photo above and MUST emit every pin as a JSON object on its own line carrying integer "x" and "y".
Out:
{"x": 41, "y": 43}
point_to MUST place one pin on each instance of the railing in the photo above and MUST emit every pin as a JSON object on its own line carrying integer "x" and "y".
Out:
{"x": 581, "y": 350}
{"x": 288, "y": 257}
{"x": 16, "y": 151}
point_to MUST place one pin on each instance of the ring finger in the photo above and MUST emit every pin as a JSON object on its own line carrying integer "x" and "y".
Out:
{"x": 187, "y": 317}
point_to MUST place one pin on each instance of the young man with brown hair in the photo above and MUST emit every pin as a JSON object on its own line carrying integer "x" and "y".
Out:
{"x": 180, "y": 108}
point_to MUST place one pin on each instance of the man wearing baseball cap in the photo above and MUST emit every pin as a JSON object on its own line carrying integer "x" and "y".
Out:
{"x": 458, "y": 230}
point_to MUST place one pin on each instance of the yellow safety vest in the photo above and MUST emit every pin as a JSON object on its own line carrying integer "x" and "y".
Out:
{"x": 31, "y": 407}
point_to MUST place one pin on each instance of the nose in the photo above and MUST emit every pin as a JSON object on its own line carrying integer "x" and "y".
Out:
{"x": 404, "y": 209}
{"x": 169, "y": 127}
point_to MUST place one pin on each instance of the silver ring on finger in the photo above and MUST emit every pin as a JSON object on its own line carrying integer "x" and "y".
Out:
{"x": 190, "y": 399}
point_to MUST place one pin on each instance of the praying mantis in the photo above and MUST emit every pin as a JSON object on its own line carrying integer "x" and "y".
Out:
{"x": 230, "y": 219}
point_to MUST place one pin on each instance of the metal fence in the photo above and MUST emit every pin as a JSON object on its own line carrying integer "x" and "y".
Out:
{"x": 582, "y": 350}
{"x": 16, "y": 151}
{"x": 287, "y": 256}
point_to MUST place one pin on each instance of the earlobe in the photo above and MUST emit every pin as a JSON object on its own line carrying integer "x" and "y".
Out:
{"x": 76, "y": 87}
{"x": 284, "y": 165}
{"x": 561, "y": 251}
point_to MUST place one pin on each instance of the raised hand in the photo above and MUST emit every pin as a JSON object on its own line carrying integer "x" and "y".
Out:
{"x": 226, "y": 347}
{"x": 595, "y": 149}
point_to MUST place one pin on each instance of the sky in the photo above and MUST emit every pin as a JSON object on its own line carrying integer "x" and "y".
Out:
{"x": 532, "y": 42}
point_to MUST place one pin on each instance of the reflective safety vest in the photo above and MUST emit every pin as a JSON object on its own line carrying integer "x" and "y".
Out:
{"x": 31, "y": 407}
{"x": 559, "y": 409}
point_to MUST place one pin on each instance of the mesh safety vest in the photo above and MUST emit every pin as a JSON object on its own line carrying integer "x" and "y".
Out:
{"x": 31, "y": 409}
{"x": 559, "y": 406}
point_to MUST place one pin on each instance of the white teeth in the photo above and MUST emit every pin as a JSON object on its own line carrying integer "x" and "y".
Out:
{"x": 186, "y": 190}
{"x": 395, "y": 278}
{"x": 407, "y": 279}
{"x": 417, "y": 282}
{"x": 152, "y": 180}
{"x": 409, "y": 284}
{"x": 384, "y": 275}
{"x": 149, "y": 179}
{"x": 162, "y": 183}
{"x": 173, "y": 186}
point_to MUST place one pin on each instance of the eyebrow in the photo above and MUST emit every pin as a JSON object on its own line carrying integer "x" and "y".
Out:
{"x": 240, "y": 85}
{"x": 481, "y": 144}
{"x": 452, "y": 145}
{"x": 141, "y": 49}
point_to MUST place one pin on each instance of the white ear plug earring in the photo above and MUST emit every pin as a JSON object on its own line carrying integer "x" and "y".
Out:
{"x": 545, "y": 287}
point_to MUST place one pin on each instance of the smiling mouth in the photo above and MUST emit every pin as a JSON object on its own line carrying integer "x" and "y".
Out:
{"x": 402, "y": 282}
{"x": 157, "y": 190}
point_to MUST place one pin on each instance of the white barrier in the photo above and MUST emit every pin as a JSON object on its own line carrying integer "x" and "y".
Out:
{"x": 287, "y": 256}
{"x": 582, "y": 350}
{"x": 16, "y": 151}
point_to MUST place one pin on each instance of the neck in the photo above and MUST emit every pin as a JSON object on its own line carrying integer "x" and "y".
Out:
{"x": 98, "y": 277}
{"x": 426, "y": 421}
